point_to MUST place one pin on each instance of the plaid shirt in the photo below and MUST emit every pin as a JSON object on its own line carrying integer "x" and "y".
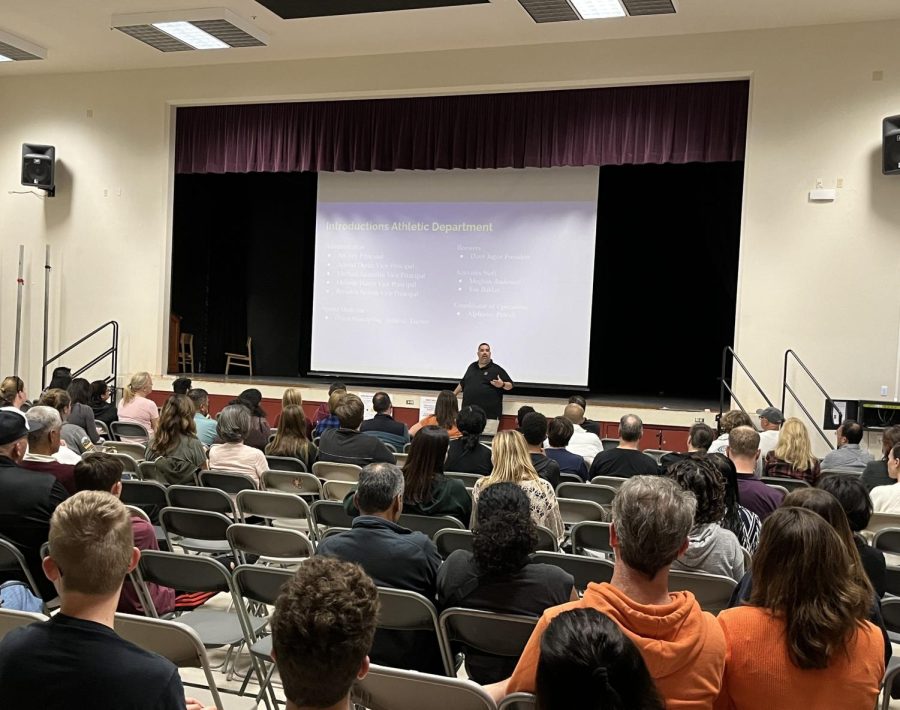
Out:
{"x": 329, "y": 422}
{"x": 782, "y": 469}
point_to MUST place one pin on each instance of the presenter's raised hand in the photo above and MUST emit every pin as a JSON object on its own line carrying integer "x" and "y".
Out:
{"x": 497, "y": 382}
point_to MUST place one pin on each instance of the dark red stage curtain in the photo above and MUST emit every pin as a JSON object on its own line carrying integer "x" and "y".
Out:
{"x": 676, "y": 123}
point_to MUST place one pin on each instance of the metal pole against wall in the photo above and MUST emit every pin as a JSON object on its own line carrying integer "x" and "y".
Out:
{"x": 46, "y": 316}
{"x": 20, "y": 283}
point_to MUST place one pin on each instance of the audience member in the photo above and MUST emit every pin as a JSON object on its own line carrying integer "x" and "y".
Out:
{"x": 258, "y": 434}
{"x": 683, "y": 647}
{"x": 290, "y": 437}
{"x": 330, "y": 420}
{"x": 203, "y": 423}
{"x": 581, "y": 442}
{"x": 886, "y": 499}
{"x": 136, "y": 407}
{"x": 711, "y": 548}
{"x": 498, "y": 575}
{"x": 770, "y": 421}
{"x": 589, "y": 426}
{"x": 102, "y": 472}
{"x": 854, "y": 499}
{"x": 728, "y": 421}
{"x": 875, "y": 473}
{"x": 175, "y": 448}
{"x": 524, "y": 410}
{"x": 181, "y": 385}
{"x": 512, "y": 464}
{"x": 585, "y": 655}
{"x": 100, "y": 405}
{"x": 792, "y": 457}
{"x": 76, "y": 659}
{"x": 848, "y": 454}
{"x": 60, "y": 379}
{"x": 466, "y": 454}
{"x": 74, "y": 439}
{"x": 446, "y": 410}
{"x": 322, "y": 630}
{"x": 744, "y": 523}
{"x": 294, "y": 396}
{"x": 534, "y": 429}
{"x": 807, "y": 613}
{"x": 233, "y": 454}
{"x": 323, "y": 410}
{"x": 394, "y": 557}
{"x": 44, "y": 425}
{"x": 346, "y": 444}
{"x": 700, "y": 436}
{"x": 743, "y": 450}
{"x": 383, "y": 425}
{"x": 559, "y": 433}
{"x": 82, "y": 415}
{"x": 626, "y": 460}
{"x": 27, "y": 498}
{"x": 484, "y": 383}
{"x": 12, "y": 392}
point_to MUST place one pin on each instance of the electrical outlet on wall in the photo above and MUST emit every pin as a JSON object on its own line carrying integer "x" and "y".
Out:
{"x": 884, "y": 390}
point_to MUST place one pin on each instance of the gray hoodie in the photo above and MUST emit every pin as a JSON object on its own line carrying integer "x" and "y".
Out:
{"x": 713, "y": 550}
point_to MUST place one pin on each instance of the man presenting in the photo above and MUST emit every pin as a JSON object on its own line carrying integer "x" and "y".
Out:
{"x": 484, "y": 384}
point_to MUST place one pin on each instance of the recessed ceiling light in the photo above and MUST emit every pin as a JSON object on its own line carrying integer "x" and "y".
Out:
{"x": 190, "y": 34}
{"x": 186, "y": 30}
{"x": 16, "y": 49}
{"x": 4, "y": 58}
{"x": 598, "y": 9}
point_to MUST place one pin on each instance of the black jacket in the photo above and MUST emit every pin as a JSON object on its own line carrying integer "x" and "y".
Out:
{"x": 350, "y": 446}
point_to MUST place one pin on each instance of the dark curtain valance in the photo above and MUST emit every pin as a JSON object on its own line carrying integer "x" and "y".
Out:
{"x": 677, "y": 123}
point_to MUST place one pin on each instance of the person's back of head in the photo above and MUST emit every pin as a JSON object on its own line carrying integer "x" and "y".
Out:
{"x": 743, "y": 444}
{"x": 61, "y": 378}
{"x": 505, "y": 534}
{"x": 701, "y": 436}
{"x": 10, "y": 391}
{"x": 292, "y": 396}
{"x": 79, "y": 390}
{"x": 140, "y": 382}
{"x": 524, "y": 411}
{"x": 99, "y": 389}
{"x": 44, "y": 424}
{"x": 700, "y": 476}
{"x": 252, "y": 398}
{"x": 574, "y": 413}
{"x": 510, "y": 458}
{"x": 586, "y": 661}
{"x": 889, "y": 439}
{"x": 13, "y": 433}
{"x": 290, "y": 437}
{"x": 199, "y": 398}
{"x": 322, "y": 629}
{"x": 734, "y": 418}
{"x": 334, "y": 399}
{"x": 579, "y": 400}
{"x": 380, "y": 490}
{"x": 181, "y": 385}
{"x": 99, "y": 472}
{"x": 471, "y": 421}
{"x": 804, "y": 574}
{"x": 794, "y": 445}
{"x": 446, "y": 409}
{"x": 336, "y": 386}
{"x": 851, "y": 431}
{"x": 559, "y": 432}
{"x": 350, "y": 411}
{"x": 631, "y": 428}
{"x": 425, "y": 461}
{"x": 58, "y": 399}
{"x": 853, "y": 496}
{"x": 652, "y": 517}
{"x": 381, "y": 402}
{"x": 534, "y": 428}
{"x": 175, "y": 421}
{"x": 91, "y": 545}
{"x": 233, "y": 424}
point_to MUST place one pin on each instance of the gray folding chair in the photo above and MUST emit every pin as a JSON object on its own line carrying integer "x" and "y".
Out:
{"x": 147, "y": 472}
{"x": 231, "y": 482}
{"x": 200, "y": 531}
{"x": 197, "y": 498}
{"x": 583, "y": 569}
{"x": 330, "y": 471}
{"x": 575, "y": 511}
{"x": 890, "y": 612}
{"x": 131, "y": 429}
{"x": 402, "y": 610}
{"x": 275, "y": 546}
{"x": 408, "y": 690}
{"x": 611, "y": 481}
{"x": 102, "y": 429}
{"x": 609, "y": 444}
{"x": 135, "y": 451}
{"x": 429, "y": 524}
{"x": 450, "y": 539}
{"x": 407, "y": 447}
{"x": 401, "y": 459}
{"x": 546, "y": 539}
{"x": 11, "y": 619}
{"x": 879, "y": 521}
{"x": 590, "y": 535}
{"x": 129, "y": 463}
{"x": 656, "y": 454}
{"x": 567, "y": 477}
{"x": 713, "y": 591}
{"x": 327, "y": 514}
{"x": 307, "y": 485}
{"x": 887, "y": 540}
{"x": 602, "y": 495}
{"x": 789, "y": 484}
{"x": 12, "y": 560}
{"x": 469, "y": 479}
{"x": 337, "y": 490}
{"x": 149, "y": 496}
{"x": 518, "y": 701}
{"x": 286, "y": 463}
{"x": 281, "y": 510}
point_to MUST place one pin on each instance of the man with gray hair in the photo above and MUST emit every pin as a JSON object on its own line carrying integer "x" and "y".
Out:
{"x": 626, "y": 460}
{"x": 683, "y": 646}
{"x": 393, "y": 557}
{"x": 44, "y": 436}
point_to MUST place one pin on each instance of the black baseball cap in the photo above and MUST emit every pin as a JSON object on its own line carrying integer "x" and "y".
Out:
{"x": 13, "y": 425}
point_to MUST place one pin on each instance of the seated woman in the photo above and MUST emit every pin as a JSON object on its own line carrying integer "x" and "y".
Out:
{"x": 466, "y": 454}
{"x": 876, "y": 473}
{"x": 745, "y": 524}
{"x": 136, "y": 407}
{"x": 293, "y": 396}
{"x": 290, "y": 438}
{"x": 99, "y": 403}
{"x": 258, "y": 435}
{"x": 584, "y": 654}
{"x": 12, "y": 392}
{"x": 886, "y": 499}
{"x": 498, "y": 574}
{"x": 232, "y": 428}
{"x": 803, "y": 641}
{"x": 711, "y": 548}
{"x": 80, "y": 393}
{"x": 175, "y": 448}
{"x": 446, "y": 409}
{"x": 512, "y": 464}
{"x": 792, "y": 456}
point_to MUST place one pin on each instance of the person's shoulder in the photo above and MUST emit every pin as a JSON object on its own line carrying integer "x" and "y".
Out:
{"x": 549, "y": 573}
{"x": 458, "y": 562}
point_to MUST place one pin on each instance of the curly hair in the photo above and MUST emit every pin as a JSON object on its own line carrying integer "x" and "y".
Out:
{"x": 505, "y": 535}
{"x": 322, "y": 629}
{"x": 175, "y": 420}
{"x": 701, "y": 477}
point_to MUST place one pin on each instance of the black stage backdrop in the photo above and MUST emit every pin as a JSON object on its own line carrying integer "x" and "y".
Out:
{"x": 664, "y": 286}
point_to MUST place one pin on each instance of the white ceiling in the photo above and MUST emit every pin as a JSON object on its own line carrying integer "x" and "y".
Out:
{"x": 77, "y": 36}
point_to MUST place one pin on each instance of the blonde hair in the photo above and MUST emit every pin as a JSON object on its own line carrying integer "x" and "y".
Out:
{"x": 334, "y": 399}
{"x": 91, "y": 542}
{"x": 292, "y": 396}
{"x": 10, "y": 388}
{"x": 794, "y": 446}
{"x": 511, "y": 460}
{"x": 139, "y": 380}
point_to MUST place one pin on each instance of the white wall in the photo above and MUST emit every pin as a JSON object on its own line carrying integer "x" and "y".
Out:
{"x": 817, "y": 277}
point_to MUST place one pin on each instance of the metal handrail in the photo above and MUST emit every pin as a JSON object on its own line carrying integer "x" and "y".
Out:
{"x": 786, "y": 388}
{"x": 111, "y": 352}
{"x": 724, "y": 386}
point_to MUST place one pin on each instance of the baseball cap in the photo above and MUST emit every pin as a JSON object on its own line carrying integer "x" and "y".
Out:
{"x": 13, "y": 425}
{"x": 772, "y": 414}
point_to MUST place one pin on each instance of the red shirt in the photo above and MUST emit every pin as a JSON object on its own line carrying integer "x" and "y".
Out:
{"x": 62, "y": 472}
{"x": 163, "y": 597}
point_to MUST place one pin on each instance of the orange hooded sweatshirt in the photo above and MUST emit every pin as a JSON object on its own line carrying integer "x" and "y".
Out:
{"x": 683, "y": 647}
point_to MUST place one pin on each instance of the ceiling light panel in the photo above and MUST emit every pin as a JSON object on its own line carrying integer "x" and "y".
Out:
{"x": 16, "y": 49}
{"x": 187, "y": 30}
{"x": 598, "y": 9}
{"x": 190, "y": 35}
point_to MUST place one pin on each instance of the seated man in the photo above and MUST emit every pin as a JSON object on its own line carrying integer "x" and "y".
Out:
{"x": 743, "y": 450}
{"x": 76, "y": 659}
{"x": 181, "y": 385}
{"x": 848, "y": 454}
{"x": 700, "y": 437}
{"x": 322, "y": 630}
{"x": 206, "y": 425}
{"x": 394, "y": 557}
{"x": 626, "y": 460}
{"x": 102, "y": 472}
{"x": 559, "y": 432}
{"x": 347, "y": 444}
{"x": 683, "y": 647}
{"x": 534, "y": 429}
{"x": 582, "y": 442}
{"x": 27, "y": 498}
{"x": 383, "y": 426}
{"x": 44, "y": 425}
{"x": 588, "y": 425}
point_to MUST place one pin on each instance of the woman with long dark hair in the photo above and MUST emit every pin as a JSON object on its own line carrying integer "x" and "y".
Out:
{"x": 175, "y": 448}
{"x": 82, "y": 415}
{"x": 466, "y": 454}
{"x": 290, "y": 437}
{"x": 99, "y": 403}
{"x": 744, "y": 523}
{"x": 446, "y": 409}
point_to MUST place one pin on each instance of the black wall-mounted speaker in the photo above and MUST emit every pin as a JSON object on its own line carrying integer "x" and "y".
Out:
{"x": 38, "y": 163}
{"x": 890, "y": 130}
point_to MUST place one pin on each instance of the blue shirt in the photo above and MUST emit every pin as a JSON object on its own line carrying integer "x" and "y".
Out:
{"x": 206, "y": 428}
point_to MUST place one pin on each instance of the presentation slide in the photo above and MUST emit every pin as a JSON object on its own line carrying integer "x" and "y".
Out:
{"x": 414, "y": 269}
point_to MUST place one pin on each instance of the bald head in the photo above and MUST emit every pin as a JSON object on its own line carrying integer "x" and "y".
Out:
{"x": 574, "y": 413}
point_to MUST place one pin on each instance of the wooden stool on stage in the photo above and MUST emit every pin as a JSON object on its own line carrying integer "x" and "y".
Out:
{"x": 186, "y": 353}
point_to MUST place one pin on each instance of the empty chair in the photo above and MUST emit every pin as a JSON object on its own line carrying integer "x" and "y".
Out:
{"x": 575, "y": 511}
{"x": 656, "y": 454}
{"x": 518, "y": 701}
{"x": 131, "y": 429}
{"x": 546, "y": 539}
{"x": 469, "y": 479}
{"x": 186, "y": 353}
{"x": 449, "y": 539}
{"x": 149, "y": 496}
{"x": 583, "y": 569}
{"x": 135, "y": 451}
{"x": 407, "y": 690}
{"x": 609, "y": 444}
{"x": 270, "y": 545}
{"x": 789, "y": 484}
{"x": 278, "y": 509}
{"x": 611, "y": 481}
{"x": 231, "y": 482}
{"x": 327, "y": 514}
{"x": 337, "y": 490}
{"x": 402, "y": 610}
{"x": 199, "y": 531}
{"x": 197, "y": 498}
{"x": 602, "y": 495}
{"x": 590, "y": 535}
{"x": 240, "y": 359}
{"x": 429, "y": 524}
{"x": 286, "y": 463}
{"x": 298, "y": 483}
{"x": 330, "y": 471}
{"x": 713, "y": 591}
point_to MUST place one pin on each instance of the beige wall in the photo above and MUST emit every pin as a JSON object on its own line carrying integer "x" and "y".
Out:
{"x": 817, "y": 277}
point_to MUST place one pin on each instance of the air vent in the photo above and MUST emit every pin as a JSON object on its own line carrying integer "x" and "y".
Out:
{"x": 549, "y": 10}
{"x": 186, "y": 30}
{"x": 564, "y": 10}
{"x": 649, "y": 7}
